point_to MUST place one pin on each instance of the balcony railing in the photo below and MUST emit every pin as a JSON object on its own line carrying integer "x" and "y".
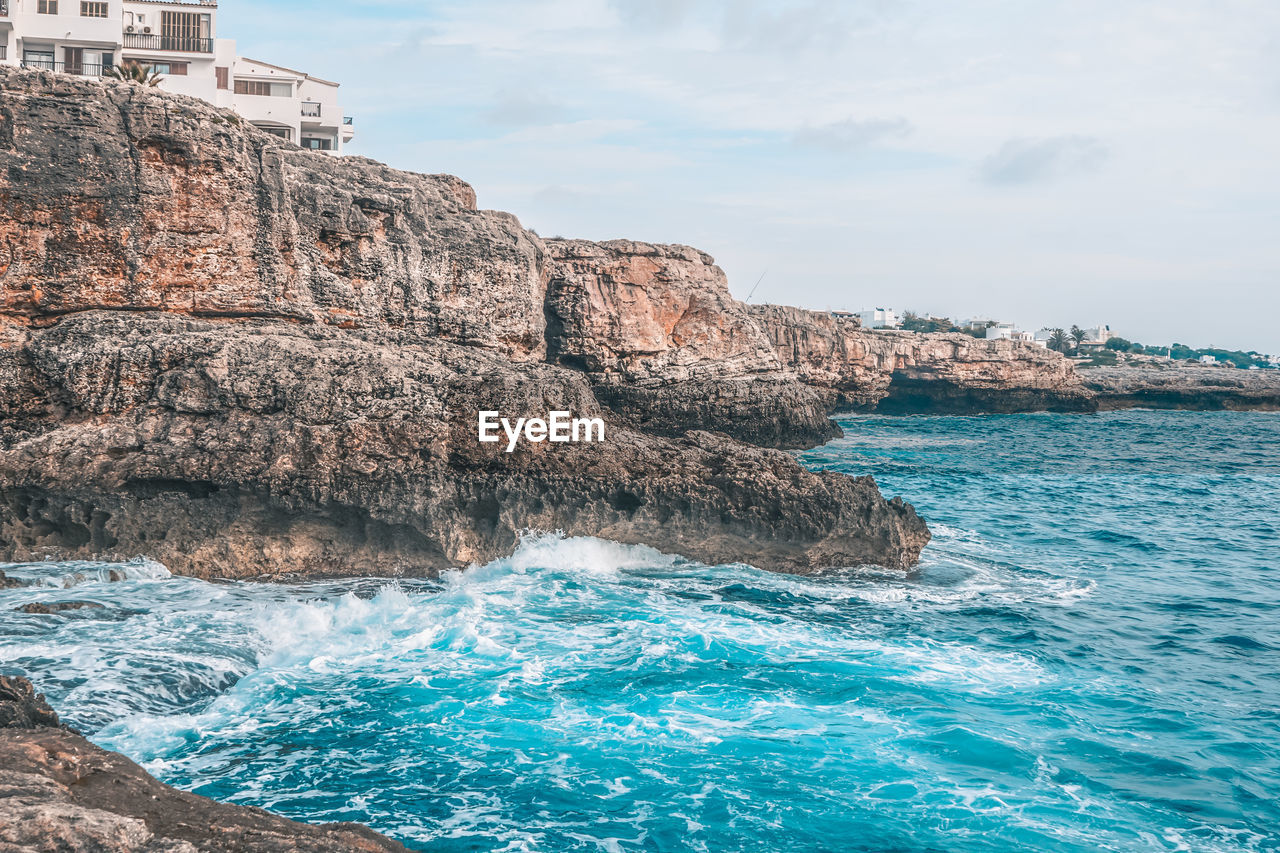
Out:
{"x": 79, "y": 69}
{"x": 348, "y": 120}
{"x": 181, "y": 44}
{"x": 310, "y": 110}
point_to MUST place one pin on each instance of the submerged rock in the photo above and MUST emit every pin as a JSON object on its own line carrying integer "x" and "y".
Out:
{"x": 39, "y": 608}
{"x": 243, "y": 359}
{"x": 60, "y": 792}
{"x": 7, "y": 582}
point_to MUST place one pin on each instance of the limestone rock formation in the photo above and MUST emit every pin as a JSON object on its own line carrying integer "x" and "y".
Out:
{"x": 664, "y": 343}
{"x": 1157, "y": 385}
{"x": 59, "y": 792}
{"x": 908, "y": 373}
{"x": 242, "y": 359}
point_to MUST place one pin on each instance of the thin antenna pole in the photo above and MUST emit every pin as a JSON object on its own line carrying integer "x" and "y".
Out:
{"x": 757, "y": 287}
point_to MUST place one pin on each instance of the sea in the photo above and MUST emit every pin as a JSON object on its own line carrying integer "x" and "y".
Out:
{"x": 1086, "y": 659}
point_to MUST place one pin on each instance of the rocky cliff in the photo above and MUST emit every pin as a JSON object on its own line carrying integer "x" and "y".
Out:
{"x": 1159, "y": 385}
{"x": 908, "y": 373}
{"x": 62, "y": 793}
{"x": 243, "y": 359}
{"x": 664, "y": 343}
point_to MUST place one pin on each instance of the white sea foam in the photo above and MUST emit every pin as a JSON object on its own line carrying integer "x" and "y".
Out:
{"x": 66, "y": 575}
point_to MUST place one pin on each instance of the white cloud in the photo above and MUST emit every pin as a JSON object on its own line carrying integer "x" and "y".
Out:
{"x": 851, "y": 134}
{"x": 1024, "y": 161}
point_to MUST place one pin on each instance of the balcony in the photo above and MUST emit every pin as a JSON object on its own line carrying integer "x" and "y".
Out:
{"x": 79, "y": 69}
{"x": 4, "y": 8}
{"x": 310, "y": 110}
{"x": 179, "y": 44}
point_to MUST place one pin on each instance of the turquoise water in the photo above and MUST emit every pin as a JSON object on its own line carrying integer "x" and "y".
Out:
{"x": 1087, "y": 659}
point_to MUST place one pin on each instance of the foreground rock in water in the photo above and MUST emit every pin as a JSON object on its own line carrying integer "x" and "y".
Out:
{"x": 242, "y": 359}
{"x": 1156, "y": 385}
{"x": 59, "y": 792}
{"x": 908, "y": 373}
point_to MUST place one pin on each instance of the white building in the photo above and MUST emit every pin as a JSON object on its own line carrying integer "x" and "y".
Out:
{"x": 1208, "y": 359}
{"x": 179, "y": 40}
{"x": 1010, "y": 332}
{"x": 879, "y": 318}
{"x": 1099, "y": 334}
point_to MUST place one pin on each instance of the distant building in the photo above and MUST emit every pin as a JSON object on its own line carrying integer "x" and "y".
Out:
{"x": 1208, "y": 359}
{"x": 1097, "y": 335}
{"x": 977, "y": 324}
{"x": 880, "y": 318}
{"x": 1009, "y": 332}
{"x": 179, "y": 40}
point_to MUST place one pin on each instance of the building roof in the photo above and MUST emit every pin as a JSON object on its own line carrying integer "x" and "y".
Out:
{"x": 302, "y": 74}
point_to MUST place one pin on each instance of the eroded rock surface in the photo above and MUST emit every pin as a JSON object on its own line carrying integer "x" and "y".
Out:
{"x": 61, "y": 793}
{"x": 1156, "y": 385}
{"x": 243, "y": 359}
{"x": 665, "y": 344}
{"x": 908, "y": 373}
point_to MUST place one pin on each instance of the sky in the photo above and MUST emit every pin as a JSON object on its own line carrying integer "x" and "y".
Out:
{"x": 1047, "y": 163}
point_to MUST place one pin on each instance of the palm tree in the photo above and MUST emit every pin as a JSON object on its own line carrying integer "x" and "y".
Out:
{"x": 1078, "y": 335}
{"x": 136, "y": 72}
{"x": 1059, "y": 341}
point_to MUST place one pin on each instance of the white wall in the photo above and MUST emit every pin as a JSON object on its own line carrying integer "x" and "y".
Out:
{"x": 67, "y": 27}
{"x": 329, "y": 123}
{"x": 273, "y": 110}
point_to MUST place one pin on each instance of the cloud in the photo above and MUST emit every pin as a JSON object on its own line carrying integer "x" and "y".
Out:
{"x": 1026, "y": 161}
{"x": 653, "y": 14}
{"x": 841, "y": 137}
{"x": 521, "y": 108}
{"x": 794, "y": 28}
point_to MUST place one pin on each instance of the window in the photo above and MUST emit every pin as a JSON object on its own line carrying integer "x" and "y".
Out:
{"x": 186, "y": 31}
{"x": 47, "y": 7}
{"x": 265, "y": 88}
{"x": 224, "y": 77}
{"x": 316, "y": 143}
{"x": 92, "y": 10}
{"x": 38, "y": 57}
{"x": 170, "y": 69}
{"x": 310, "y": 109}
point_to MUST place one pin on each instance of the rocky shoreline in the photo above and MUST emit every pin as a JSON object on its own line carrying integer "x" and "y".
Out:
{"x": 243, "y": 359}
{"x": 1183, "y": 386}
{"x": 62, "y": 793}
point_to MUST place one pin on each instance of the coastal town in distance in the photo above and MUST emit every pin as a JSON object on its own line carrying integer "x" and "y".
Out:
{"x": 1089, "y": 347}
